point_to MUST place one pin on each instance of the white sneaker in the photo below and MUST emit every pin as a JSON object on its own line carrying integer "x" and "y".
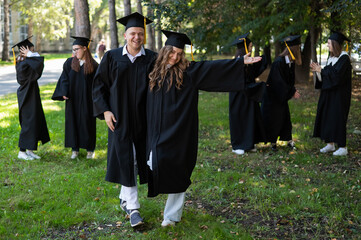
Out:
{"x": 24, "y": 156}
{"x": 90, "y": 155}
{"x": 238, "y": 151}
{"x": 328, "y": 148}
{"x": 32, "y": 154}
{"x": 167, "y": 223}
{"x": 340, "y": 152}
{"x": 74, "y": 154}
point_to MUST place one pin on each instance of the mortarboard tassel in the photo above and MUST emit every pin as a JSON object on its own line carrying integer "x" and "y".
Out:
{"x": 245, "y": 44}
{"x": 145, "y": 31}
{"x": 14, "y": 56}
{"x": 192, "y": 52}
{"x": 346, "y": 46}
{"x": 293, "y": 57}
{"x": 89, "y": 43}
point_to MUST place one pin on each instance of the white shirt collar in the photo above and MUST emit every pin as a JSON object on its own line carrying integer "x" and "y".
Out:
{"x": 333, "y": 60}
{"x": 130, "y": 56}
{"x": 81, "y": 62}
{"x": 288, "y": 61}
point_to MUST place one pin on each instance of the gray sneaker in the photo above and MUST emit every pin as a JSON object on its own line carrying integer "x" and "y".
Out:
{"x": 135, "y": 218}
{"x": 123, "y": 206}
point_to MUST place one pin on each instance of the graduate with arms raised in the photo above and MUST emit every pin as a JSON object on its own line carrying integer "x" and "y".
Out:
{"x": 334, "y": 81}
{"x": 29, "y": 68}
{"x": 75, "y": 87}
{"x": 172, "y": 116}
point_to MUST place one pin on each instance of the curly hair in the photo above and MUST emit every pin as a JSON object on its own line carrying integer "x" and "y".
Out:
{"x": 161, "y": 70}
{"x": 88, "y": 64}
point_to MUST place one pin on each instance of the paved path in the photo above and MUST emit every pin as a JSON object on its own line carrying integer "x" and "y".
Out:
{"x": 51, "y": 74}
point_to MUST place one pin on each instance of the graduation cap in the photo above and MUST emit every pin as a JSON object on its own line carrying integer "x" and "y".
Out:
{"x": 23, "y": 43}
{"x": 135, "y": 20}
{"x": 292, "y": 41}
{"x": 178, "y": 40}
{"x": 82, "y": 41}
{"x": 242, "y": 41}
{"x": 339, "y": 37}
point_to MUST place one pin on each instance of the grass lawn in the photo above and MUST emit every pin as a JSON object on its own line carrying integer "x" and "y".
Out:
{"x": 47, "y": 56}
{"x": 287, "y": 194}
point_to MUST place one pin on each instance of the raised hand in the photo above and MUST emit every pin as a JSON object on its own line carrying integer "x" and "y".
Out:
{"x": 249, "y": 60}
{"x": 315, "y": 67}
{"x": 24, "y": 50}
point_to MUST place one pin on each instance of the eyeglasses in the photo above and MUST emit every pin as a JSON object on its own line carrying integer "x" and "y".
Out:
{"x": 75, "y": 49}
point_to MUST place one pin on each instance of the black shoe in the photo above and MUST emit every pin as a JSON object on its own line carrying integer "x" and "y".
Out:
{"x": 135, "y": 218}
{"x": 123, "y": 206}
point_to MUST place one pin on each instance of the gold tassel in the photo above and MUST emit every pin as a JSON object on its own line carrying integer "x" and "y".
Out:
{"x": 293, "y": 57}
{"x": 145, "y": 31}
{"x": 89, "y": 43}
{"x": 192, "y": 52}
{"x": 245, "y": 45}
{"x": 14, "y": 56}
{"x": 346, "y": 46}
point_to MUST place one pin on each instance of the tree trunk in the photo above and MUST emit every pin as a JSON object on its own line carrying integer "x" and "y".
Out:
{"x": 38, "y": 42}
{"x": 278, "y": 49}
{"x": 5, "y": 53}
{"x": 82, "y": 23}
{"x": 314, "y": 34}
{"x": 127, "y": 7}
{"x": 302, "y": 72}
{"x": 159, "y": 32}
{"x": 150, "y": 31}
{"x": 113, "y": 25}
{"x": 139, "y": 6}
{"x": 30, "y": 27}
{"x": 267, "y": 54}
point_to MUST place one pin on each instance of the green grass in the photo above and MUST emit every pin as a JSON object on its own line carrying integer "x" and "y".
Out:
{"x": 264, "y": 195}
{"x": 48, "y": 56}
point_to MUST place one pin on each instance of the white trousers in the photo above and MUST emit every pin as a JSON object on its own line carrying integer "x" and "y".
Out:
{"x": 130, "y": 194}
{"x": 175, "y": 203}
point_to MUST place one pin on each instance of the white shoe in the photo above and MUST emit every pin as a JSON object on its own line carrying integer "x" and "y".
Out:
{"x": 254, "y": 149}
{"x": 340, "y": 152}
{"x": 238, "y": 151}
{"x": 90, "y": 155}
{"x": 32, "y": 154}
{"x": 167, "y": 223}
{"x": 328, "y": 148}
{"x": 74, "y": 154}
{"x": 24, "y": 156}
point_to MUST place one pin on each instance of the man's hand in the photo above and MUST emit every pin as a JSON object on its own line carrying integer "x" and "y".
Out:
{"x": 24, "y": 51}
{"x": 110, "y": 120}
{"x": 297, "y": 94}
{"x": 249, "y": 60}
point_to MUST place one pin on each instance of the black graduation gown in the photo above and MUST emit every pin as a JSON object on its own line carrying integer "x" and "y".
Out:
{"x": 80, "y": 124}
{"x": 275, "y": 111}
{"x": 31, "y": 114}
{"x": 120, "y": 86}
{"x": 334, "y": 102}
{"x": 172, "y": 118}
{"x": 245, "y": 119}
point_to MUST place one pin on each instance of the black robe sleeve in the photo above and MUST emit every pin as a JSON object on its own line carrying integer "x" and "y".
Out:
{"x": 254, "y": 90}
{"x": 278, "y": 82}
{"x": 33, "y": 65}
{"x": 62, "y": 87}
{"x": 218, "y": 76}
{"x": 333, "y": 76}
{"x": 101, "y": 87}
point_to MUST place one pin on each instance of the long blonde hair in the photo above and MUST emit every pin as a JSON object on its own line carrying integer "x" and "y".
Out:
{"x": 161, "y": 70}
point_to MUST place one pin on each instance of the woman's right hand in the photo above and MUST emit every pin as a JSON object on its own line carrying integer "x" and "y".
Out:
{"x": 110, "y": 120}
{"x": 65, "y": 98}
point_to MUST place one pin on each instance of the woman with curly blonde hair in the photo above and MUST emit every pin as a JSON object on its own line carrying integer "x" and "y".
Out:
{"x": 172, "y": 116}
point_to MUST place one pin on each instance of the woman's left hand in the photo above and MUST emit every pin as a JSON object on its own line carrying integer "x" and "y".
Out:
{"x": 249, "y": 60}
{"x": 315, "y": 67}
{"x": 24, "y": 50}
